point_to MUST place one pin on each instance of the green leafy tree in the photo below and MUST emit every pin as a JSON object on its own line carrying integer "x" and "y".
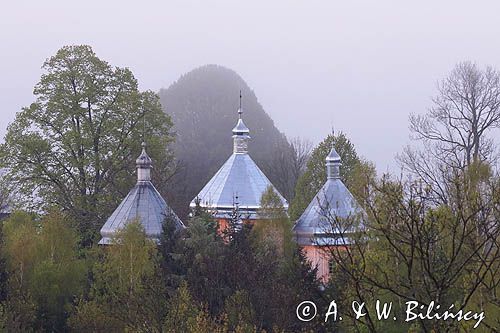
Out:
{"x": 75, "y": 146}
{"x": 185, "y": 314}
{"x": 273, "y": 226}
{"x": 315, "y": 175}
{"x": 91, "y": 316}
{"x": 3, "y": 267}
{"x": 45, "y": 273}
{"x": 239, "y": 312}
{"x": 128, "y": 291}
{"x": 271, "y": 206}
{"x": 291, "y": 278}
{"x": 59, "y": 274}
{"x": 257, "y": 270}
{"x": 20, "y": 232}
{"x": 182, "y": 311}
{"x": 172, "y": 271}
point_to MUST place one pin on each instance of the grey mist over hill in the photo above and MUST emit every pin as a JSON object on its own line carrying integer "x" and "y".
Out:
{"x": 203, "y": 105}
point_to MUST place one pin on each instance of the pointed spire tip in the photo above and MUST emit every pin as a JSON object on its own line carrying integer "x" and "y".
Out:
{"x": 240, "y": 111}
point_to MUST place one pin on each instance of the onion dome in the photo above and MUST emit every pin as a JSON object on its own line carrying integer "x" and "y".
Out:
{"x": 144, "y": 161}
{"x": 240, "y": 128}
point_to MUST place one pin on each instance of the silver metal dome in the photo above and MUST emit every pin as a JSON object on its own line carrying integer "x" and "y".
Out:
{"x": 238, "y": 177}
{"x": 143, "y": 203}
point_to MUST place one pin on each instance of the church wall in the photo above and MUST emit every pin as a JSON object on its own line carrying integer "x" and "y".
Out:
{"x": 319, "y": 258}
{"x": 224, "y": 224}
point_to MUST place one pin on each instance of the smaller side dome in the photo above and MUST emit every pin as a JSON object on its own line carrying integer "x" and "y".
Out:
{"x": 143, "y": 203}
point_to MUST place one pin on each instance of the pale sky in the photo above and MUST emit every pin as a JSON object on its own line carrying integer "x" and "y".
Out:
{"x": 359, "y": 66}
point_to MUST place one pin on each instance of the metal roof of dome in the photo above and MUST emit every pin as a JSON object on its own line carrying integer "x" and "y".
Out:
{"x": 314, "y": 226}
{"x": 143, "y": 203}
{"x": 239, "y": 178}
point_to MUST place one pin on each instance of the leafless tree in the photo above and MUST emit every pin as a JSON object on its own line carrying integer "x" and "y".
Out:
{"x": 459, "y": 128}
{"x": 289, "y": 162}
{"x": 414, "y": 251}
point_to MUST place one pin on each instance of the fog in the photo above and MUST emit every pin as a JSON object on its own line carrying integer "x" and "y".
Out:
{"x": 357, "y": 67}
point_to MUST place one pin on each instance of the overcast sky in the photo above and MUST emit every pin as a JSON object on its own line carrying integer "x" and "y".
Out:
{"x": 359, "y": 66}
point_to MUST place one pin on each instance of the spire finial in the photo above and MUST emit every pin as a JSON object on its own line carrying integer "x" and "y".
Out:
{"x": 240, "y": 111}
{"x": 144, "y": 129}
{"x": 240, "y": 134}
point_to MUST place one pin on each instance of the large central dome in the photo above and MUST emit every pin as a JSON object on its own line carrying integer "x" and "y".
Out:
{"x": 239, "y": 181}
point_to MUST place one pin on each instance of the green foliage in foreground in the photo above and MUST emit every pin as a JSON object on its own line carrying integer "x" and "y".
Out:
{"x": 194, "y": 281}
{"x": 246, "y": 271}
{"x": 251, "y": 280}
{"x": 127, "y": 289}
{"x": 44, "y": 271}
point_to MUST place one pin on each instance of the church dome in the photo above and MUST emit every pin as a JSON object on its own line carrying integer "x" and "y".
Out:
{"x": 143, "y": 203}
{"x": 239, "y": 177}
{"x": 333, "y": 200}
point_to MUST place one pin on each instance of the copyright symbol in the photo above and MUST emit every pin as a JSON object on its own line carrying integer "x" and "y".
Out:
{"x": 306, "y": 311}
